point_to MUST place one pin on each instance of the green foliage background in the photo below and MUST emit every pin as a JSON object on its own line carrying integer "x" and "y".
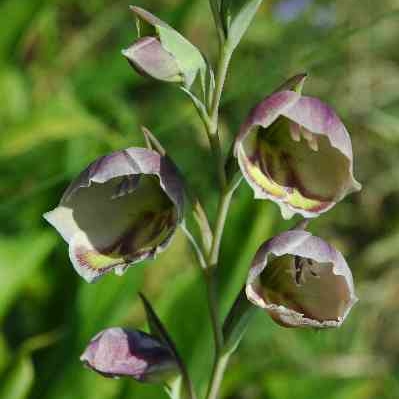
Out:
{"x": 67, "y": 95}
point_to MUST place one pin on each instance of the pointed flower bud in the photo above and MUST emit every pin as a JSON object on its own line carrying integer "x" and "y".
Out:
{"x": 117, "y": 352}
{"x": 122, "y": 209}
{"x": 148, "y": 57}
{"x": 295, "y": 151}
{"x": 165, "y": 55}
{"x": 301, "y": 281}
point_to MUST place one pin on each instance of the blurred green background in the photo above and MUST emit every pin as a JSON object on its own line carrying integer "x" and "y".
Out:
{"x": 67, "y": 95}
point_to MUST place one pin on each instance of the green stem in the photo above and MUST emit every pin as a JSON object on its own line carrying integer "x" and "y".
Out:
{"x": 213, "y": 122}
{"x": 221, "y": 74}
{"x": 223, "y": 208}
{"x": 210, "y": 118}
{"x": 211, "y": 288}
{"x": 188, "y": 385}
{"x": 218, "y": 21}
{"x": 219, "y": 368}
{"x": 226, "y": 193}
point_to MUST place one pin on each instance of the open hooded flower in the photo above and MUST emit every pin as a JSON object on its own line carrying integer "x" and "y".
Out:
{"x": 122, "y": 209}
{"x": 117, "y": 352}
{"x": 300, "y": 280}
{"x": 295, "y": 151}
{"x": 164, "y": 54}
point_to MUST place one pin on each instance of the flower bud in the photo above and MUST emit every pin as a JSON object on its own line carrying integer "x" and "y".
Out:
{"x": 295, "y": 151}
{"x": 117, "y": 352}
{"x": 122, "y": 209}
{"x": 148, "y": 57}
{"x": 301, "y": 281}
{"x": 165, "y": 54}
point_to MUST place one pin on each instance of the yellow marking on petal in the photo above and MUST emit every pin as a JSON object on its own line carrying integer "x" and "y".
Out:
{"x": 261, "y": 180}
{"x": 97, "y": 260}
{"x": 297, "y": 200}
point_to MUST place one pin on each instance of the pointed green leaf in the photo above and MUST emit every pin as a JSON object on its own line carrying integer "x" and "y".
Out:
{"x": 18, "y": 381}
{"x": 156, "y": 327}
{"x": 174, "y": 388}
{"x": 237, "y": 16}
{"x": 236, "y": 322}
{"x": 188, "y": 57}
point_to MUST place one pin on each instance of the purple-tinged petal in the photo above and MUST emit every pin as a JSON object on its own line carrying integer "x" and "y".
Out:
{"x": 318, "y": 118}
{"x": 123, "y": 208}
{"x": 117, "y": 352}
{"x": 185, "y": 56}
{"x": 300, "y": 280}
{"x": 149, "y": 57}
{"x": 295, "y": 151}
{"x": 266, "y": 112}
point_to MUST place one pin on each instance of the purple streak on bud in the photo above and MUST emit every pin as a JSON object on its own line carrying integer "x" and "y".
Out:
{"x": 117, "y": 352}
{"x": 148, "y": 57}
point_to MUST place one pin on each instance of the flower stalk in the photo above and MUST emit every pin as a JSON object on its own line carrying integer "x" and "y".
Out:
{"x": 214, "y": 4}
{"x": 125, "y": 207}
{"x": 211, "y": 124}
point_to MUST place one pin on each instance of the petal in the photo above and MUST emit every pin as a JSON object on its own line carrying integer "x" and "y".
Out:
{"x": 296, "y": 152}
{"x": 117, "y": 352}
{"x": 319, "y": 293}
{"x": 148, "y": 56}
{"x": 189, "y": 59}
{"x": 319, "y": 118}
{"x": 265, "y": 113}
{"x": 119, "y": 231}
{"x": 290, "y": 200}
{"x": 123, "y": 208}
{"x": 308, "y": 163}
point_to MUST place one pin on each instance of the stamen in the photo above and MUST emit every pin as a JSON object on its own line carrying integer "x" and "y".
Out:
{"x": 306, "y": 134}
{"x": 313, "y": 144}
{"x": 310, "y": 264}
{"x": 311, "y": 139}
{"x": 298, "y": 269}
{"x": 127, "y": 186}
{"x": 295, "y": 132}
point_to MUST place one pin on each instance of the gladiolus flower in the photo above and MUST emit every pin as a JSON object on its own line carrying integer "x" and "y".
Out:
{"x": 300, "y": 280}
{"x": 122, "y": 209}
{"x": 117, "y": 352}
{"x": 295, "y": 151}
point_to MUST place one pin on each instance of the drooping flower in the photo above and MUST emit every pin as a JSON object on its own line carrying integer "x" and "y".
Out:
{"x": 295, "y": 151}
{"x": 122, "y": 209}
{"x": 164, "y": 54}
{"x": 300, "y": 280}
{"x": 118, "y": 352}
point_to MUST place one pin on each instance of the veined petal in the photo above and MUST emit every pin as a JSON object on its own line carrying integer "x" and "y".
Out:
{"x": 265, "y": 113}
{"x": 318, "y": 118}
{"x": 118, "y": 352}
{"x": 148, "y": 57}
{"x": 123, "y": 208}
{"x": 295, "y": 151}
{"x": 300, "y": 280}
